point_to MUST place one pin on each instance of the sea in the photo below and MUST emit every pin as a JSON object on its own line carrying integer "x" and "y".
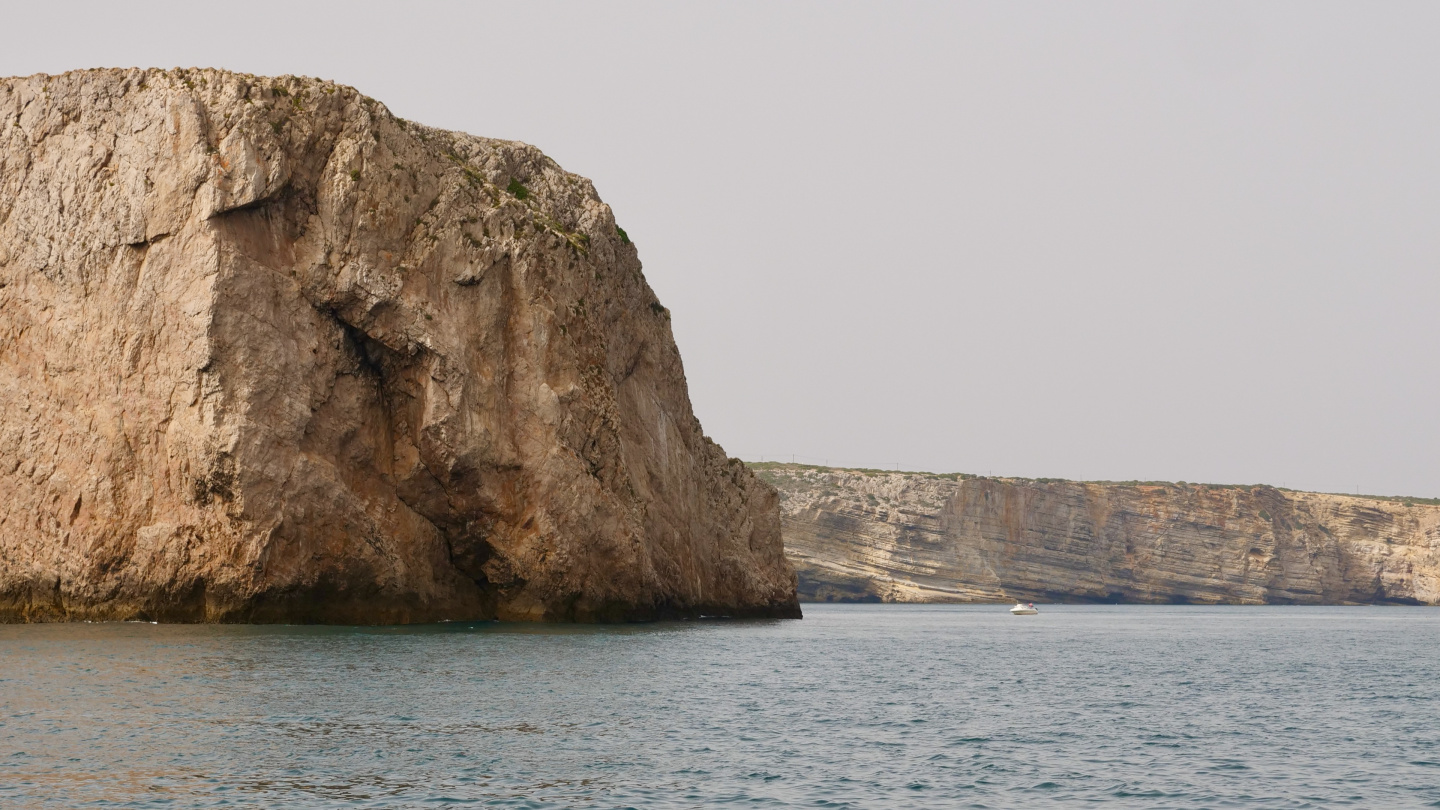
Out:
{"x": 855, "y": 706}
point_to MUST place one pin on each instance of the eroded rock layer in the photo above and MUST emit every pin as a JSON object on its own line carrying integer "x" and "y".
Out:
{"x": 916, "y": 537}
{"x": 270, "y": 353}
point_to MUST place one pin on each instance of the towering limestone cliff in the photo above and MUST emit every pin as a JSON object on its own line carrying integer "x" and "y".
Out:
{"x": 917, "y": 537}
{"x": 270, "y": 353}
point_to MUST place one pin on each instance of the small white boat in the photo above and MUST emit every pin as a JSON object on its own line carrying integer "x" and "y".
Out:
{"x": 1024, "y": 609}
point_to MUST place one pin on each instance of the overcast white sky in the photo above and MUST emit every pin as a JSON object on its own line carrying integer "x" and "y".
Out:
{"x": 1186, "y": 241}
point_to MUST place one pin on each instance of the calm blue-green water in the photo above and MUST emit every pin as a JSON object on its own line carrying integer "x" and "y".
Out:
{"x": 855, "y": 706}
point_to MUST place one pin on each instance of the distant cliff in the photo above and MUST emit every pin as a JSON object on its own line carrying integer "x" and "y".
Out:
{"x": 915, "y": 537}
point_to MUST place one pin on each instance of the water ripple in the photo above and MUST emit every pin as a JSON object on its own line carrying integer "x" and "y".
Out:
{"x": 854, "y": 707}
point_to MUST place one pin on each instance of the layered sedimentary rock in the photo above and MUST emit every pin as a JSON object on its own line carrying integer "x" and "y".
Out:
{"x": 270, "y": 353}
{"x": 916, "y": 537}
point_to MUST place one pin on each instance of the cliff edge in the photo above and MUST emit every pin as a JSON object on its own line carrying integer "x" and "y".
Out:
{"x": 270, "y": 353}
{"x": 870, "y": 535}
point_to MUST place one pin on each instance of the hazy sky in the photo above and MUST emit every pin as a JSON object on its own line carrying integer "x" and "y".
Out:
{"x": 1194, "y": 241}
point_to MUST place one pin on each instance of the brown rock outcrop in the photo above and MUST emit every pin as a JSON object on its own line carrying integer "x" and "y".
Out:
{"x": 917, "y": 537}
{"x": 270, "y": 353}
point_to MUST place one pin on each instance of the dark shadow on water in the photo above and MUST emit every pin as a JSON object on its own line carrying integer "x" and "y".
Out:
{"x": 542, "y": 628}
{"x": 161, "y": 631}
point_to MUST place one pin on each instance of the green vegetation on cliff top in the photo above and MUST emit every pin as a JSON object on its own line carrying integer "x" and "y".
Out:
{"x": 763, "y": 467}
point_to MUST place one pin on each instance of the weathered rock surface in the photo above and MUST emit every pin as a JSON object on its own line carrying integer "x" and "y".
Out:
{"x": 269, "y": 353}
{"x": 915, "y": 537}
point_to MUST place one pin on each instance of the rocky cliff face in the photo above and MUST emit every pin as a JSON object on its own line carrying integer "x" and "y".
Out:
{"x": 904, "y": 537}
{"x": 270, "y": 353}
